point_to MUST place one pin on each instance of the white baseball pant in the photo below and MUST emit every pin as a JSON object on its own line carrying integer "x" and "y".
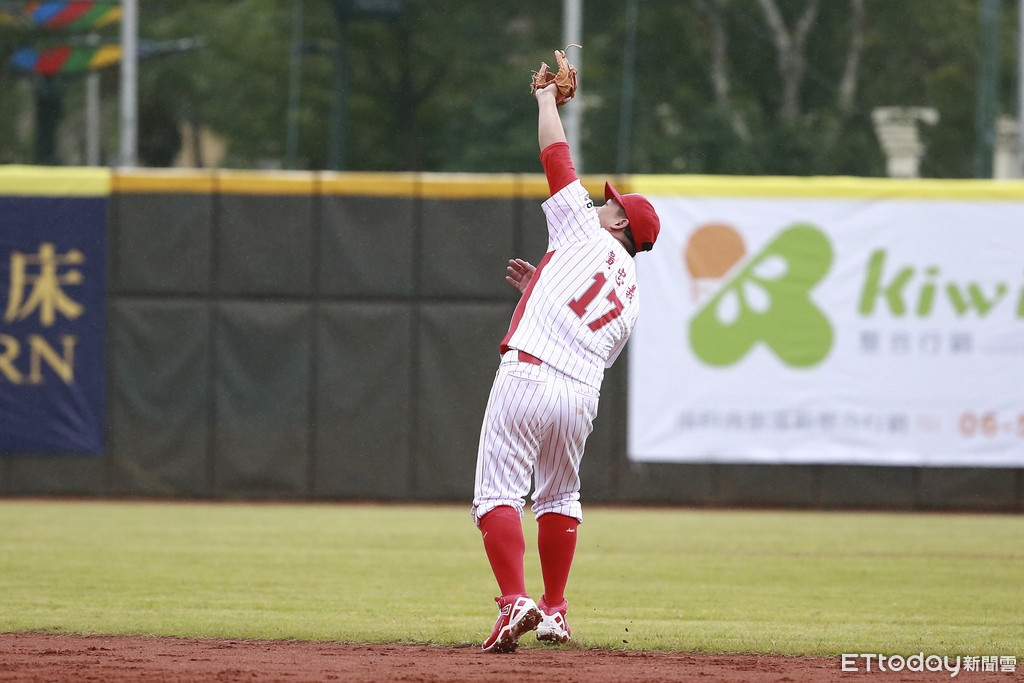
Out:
{"x": 536, "y": 423}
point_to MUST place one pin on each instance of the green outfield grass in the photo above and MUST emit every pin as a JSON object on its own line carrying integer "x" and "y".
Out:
{"x": 814, "y": 583}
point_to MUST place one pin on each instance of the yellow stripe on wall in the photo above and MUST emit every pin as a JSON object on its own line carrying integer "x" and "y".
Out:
{"x": 468, "y": 185}
{"x": 431, "y": 185}
{"x": 54, "y": 181}
{"x": 159, "y": 181}
{"x": 84, "y": 181}
{"x": 368, "y": 184}
{"x": 186, "y": 181}
{"x": 839, "y": 187}
{"x": 256, "y": 182}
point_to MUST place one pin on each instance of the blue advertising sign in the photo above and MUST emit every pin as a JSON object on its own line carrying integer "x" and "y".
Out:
{"x": 52, "y": 264}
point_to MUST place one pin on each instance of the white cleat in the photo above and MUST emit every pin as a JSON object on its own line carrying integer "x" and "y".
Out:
{"x": 517, "y": 615}
{"x": 553, "y": 627}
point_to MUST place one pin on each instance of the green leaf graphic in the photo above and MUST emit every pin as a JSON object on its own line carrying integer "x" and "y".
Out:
{"x": 769, "y": 301}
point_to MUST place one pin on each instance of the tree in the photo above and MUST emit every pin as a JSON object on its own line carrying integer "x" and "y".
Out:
{"x": 752, "y": 110}
{"x": 721, "y": 86}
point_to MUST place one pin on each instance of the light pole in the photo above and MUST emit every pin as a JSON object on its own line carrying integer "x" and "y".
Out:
{"x": 628, "y": 69}
{"x": 572, "y": 27}
{"x": 344, "y": 12}
{"x": 986, "y": 107}
{"x": 92, "y": 111}
{"x": 129, "y": 82}
{"x": 1020, "y": 83}
{"x": 339, "y": 104}
{"x": 291, "y": 144}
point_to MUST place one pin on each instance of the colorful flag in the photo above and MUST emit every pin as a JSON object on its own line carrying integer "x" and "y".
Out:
{"x": 65, "y": 59}
{"x": 76, "y": 14}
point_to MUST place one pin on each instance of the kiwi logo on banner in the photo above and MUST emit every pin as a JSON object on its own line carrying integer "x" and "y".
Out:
{"x": 761, "y": 299}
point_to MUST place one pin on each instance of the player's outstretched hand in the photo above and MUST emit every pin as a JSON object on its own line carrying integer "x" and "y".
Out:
{"x": 548, "y": 92}
{"x": 519, "y": 273}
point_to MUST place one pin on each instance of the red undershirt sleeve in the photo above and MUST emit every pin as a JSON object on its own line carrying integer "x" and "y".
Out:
{"x": 558, "y": 166}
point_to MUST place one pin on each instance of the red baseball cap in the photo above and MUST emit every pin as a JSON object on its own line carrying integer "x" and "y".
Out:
{"x": 643, "y": 219}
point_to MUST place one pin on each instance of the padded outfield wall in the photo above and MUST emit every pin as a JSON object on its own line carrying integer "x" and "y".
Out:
{"x": 333, "y": 336}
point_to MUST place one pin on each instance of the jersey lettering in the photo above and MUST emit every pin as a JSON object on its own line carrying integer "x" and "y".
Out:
{"x": 579, "y": 306}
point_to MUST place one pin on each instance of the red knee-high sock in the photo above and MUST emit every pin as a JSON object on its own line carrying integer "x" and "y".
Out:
{"x": 556, "y": 543}
{"x": 505, "y": 546}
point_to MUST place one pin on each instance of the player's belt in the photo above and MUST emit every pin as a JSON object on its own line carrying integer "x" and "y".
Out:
{"x": 525, "y": 357}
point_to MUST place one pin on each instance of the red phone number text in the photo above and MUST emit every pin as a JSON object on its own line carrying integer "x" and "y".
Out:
{"x": 990, "y": 424}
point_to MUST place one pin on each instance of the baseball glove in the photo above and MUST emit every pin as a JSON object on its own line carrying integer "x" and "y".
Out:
{"x": 565, "y": 78}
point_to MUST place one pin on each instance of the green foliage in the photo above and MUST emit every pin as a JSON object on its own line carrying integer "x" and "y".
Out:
{"x": 443, "y": 86}
{"x": 699, "y": 581}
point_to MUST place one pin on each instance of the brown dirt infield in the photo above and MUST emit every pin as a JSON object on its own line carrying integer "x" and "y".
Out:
{"x": 45, "y": 657}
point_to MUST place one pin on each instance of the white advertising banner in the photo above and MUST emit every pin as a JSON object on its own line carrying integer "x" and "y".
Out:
{"x": 832, "y": 321}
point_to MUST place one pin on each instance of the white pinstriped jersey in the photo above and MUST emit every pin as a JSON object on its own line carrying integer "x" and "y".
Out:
{"x": 583, "y": 301}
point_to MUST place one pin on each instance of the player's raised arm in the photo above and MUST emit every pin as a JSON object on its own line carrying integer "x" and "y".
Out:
{"x": 549, "y": 123}
{"x": 552, "y": 90}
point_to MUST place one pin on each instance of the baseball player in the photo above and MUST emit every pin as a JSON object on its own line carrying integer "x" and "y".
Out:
{"x": 575, "y": 313}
